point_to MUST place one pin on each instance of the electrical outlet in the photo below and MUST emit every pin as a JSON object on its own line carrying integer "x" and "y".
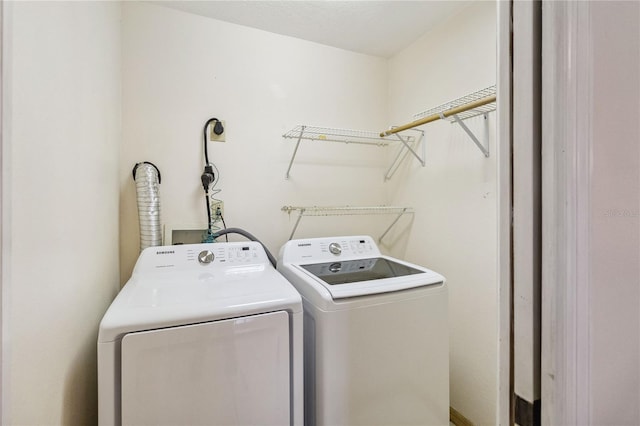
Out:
{"x": 217, "y": 208}
{"x": 221, "y": 137}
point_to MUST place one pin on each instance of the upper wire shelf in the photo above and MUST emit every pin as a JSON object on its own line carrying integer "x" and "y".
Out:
{"x": 327, "y": 134}
{"x": 340, "y": 135}
{"x": 470, "y": 98}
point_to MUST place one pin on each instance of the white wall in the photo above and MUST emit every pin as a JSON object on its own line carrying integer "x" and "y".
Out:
{"x": 61, "y": 116}
{"x": 60, "y": 170}
{"x": 181, "y": 69}
{"x": 455, "y": 226}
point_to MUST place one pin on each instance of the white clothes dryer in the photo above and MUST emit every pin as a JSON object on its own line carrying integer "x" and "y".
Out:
{"x": 202, "y": 334}
{"x": 376, "y": 338}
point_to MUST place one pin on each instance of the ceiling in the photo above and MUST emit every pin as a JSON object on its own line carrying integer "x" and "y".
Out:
{"x": 379, "y": 28}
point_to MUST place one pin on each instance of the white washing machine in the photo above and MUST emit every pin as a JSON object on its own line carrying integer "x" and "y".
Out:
{"x": 375, "y": 334}
{"x": 205, "y": 334}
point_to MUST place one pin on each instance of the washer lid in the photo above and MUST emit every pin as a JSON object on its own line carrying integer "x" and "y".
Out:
{"x": 353, "y": 271}
{"x": 361, "y": 277}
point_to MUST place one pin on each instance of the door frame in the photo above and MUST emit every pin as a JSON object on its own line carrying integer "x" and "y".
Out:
{"x": 504, "y": 182}
{"x": 3, "y": 251}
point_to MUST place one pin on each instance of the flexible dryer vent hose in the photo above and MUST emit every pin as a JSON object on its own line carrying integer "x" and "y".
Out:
{"x": 147, "y": 178}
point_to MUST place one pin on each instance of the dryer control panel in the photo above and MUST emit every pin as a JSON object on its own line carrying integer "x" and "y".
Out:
{"x": 331, "y": 248}
{"x": 198, "y": 256}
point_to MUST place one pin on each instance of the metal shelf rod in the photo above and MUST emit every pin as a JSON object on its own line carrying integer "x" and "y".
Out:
{"x": 434, "y": 117}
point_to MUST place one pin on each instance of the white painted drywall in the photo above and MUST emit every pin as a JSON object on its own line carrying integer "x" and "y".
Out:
{"x": 62, "y": 100}
{"x": 61, "y": 115}
{"x": 455, "y": 226}
{"x": 180, "y": 69}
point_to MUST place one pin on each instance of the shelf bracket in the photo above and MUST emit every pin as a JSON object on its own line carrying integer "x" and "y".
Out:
{"x": 407, "y": 146}
{"x": 295, "y": 227}
{"x": 392, "y": 224}
{"x": 403, "y": 152}
{"x": 473, "y": 137}
{"x": 293, "y": 156}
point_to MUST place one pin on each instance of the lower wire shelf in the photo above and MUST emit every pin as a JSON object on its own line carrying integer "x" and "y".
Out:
{"x": 347, "y": 211}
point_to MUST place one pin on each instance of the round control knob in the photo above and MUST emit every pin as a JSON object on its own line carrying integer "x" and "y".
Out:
{"x": 335, "y": 248}
{"x": 205, "y": 257}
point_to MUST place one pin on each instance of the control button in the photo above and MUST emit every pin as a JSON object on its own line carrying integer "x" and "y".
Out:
{"x": 335, "y": 248}
{"x": 205, "y": 257}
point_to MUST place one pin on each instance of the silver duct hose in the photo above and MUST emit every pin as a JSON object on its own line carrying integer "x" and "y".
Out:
{"x": 147, "y": 178}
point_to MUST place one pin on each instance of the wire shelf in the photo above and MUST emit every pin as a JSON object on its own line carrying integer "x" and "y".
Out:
{"x": 346, "y": 210}
{"x": 362, "y": 137}
{"x": 472, "y": 97}
{"x": 340, "y": 135}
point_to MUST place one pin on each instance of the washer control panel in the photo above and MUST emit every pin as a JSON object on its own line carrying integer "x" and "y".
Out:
{"x": 330, "y": 248}
{"x": 190, "y": 256}
{"x": 349, "y": 246}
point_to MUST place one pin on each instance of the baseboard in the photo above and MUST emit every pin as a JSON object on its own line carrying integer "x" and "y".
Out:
{"x": 458, "y": 419}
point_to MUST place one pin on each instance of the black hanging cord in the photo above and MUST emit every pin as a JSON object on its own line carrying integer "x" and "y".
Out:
{"x": 206, "y": 201}
{"x": 208, "y": 176}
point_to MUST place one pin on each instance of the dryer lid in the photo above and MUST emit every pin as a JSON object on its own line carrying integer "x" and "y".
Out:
{"x": 172, "y": 286}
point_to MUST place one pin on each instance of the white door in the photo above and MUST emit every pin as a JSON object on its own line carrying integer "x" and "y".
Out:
{"x": 229, "y": 372}
{"x": 591, "y": 216}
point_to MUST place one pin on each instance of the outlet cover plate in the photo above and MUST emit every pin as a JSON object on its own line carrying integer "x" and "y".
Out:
{"x": 217, "y": 204}
{"x": 218, "y": 138}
